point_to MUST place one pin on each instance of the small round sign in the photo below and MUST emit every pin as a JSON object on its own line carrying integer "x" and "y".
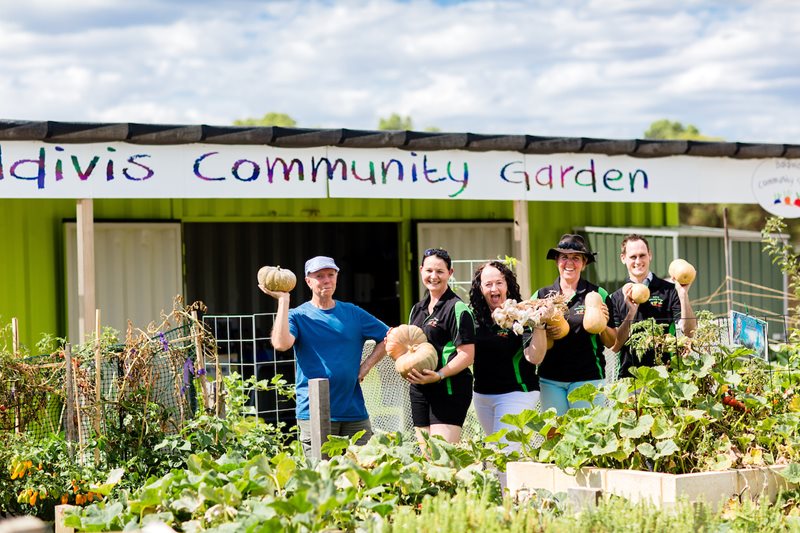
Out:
{"x": 776, "y": 186}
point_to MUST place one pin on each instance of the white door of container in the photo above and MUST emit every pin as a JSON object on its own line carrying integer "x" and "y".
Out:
{"x": 138, "y": 273}
{"x": 469, "y": 244}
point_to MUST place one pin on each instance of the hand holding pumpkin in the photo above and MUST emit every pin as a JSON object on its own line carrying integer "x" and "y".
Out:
{"x": 422, "y": 377}
{"x": 637, "y": 293}
{"x": 595, "y": 314}
{"x": 412, "y": 353}
{"x": 682, "y": 272}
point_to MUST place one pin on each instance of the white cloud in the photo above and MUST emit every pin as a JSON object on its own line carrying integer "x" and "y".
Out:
{"x": 579, "y": 67}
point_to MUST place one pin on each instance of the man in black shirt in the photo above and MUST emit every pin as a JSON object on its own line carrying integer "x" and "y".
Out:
{"x": 668, "y": 304}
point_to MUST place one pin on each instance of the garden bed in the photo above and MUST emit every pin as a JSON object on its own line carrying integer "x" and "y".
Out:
{"x": 714, "y": 488}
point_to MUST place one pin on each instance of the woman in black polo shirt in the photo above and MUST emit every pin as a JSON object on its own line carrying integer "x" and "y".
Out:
{"x": 440, "y": 398}
{"x": 577, "y": 358}
{"x": 505, "y": 371}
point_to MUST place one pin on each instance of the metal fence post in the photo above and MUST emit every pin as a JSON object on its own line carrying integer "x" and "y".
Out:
{"x": 320, "y": 411}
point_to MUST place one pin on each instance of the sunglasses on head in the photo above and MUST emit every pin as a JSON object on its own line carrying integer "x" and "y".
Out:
{"x": 570, "y": 246}
{"x": 439, "y": 252}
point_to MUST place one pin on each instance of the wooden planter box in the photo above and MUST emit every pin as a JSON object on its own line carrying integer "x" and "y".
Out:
{"x": 664, "y": 490}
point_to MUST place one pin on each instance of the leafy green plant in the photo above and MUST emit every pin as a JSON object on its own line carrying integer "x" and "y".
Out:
{"x": 39, "y": 474}
{"x": 359, "y": 485}
{"x": 241, "y": 431}
{"x": 467, "y": 511}
{"x": 713, "y": 409}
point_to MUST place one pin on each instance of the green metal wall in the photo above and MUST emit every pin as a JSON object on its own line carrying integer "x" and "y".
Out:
{"x": 707, "y": 254}
{"x": 32, "y": 262}
{"x": 749, "y": 264}
{"x": 549, "y": 220}
{"x": 609, "y": 272}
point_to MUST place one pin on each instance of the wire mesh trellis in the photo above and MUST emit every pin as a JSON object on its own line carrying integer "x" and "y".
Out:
{"x": 143, "y": 373}
{"x": 31, "y": 395}
{"x": 150, "y": 380}
{"x": 244, "y": 347}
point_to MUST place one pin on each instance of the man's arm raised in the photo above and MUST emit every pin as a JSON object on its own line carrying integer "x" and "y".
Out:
{"x": 281, "y": 339}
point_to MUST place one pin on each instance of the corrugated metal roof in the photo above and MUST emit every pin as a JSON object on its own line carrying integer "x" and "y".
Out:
{"x": 165, "y": 134}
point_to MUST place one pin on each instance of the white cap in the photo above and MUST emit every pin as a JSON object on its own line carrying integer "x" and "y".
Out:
{"x": 315, "y": 264}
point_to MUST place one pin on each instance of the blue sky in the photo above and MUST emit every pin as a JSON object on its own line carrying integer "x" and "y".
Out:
{"x": 593, "y": 68}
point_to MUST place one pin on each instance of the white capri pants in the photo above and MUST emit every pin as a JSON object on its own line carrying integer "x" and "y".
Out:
{"x": 490, "y": 408}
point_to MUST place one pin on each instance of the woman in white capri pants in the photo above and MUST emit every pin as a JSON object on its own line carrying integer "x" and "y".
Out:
{"x": 504, "y": 368}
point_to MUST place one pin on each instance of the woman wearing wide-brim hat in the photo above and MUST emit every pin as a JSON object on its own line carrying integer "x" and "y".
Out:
{"x": 578, "y": 357}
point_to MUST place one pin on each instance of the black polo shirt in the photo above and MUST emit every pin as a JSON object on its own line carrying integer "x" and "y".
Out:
{"x": 449, "y": 326}
{"x": 664, "y": 306}
{"x": 500, "y": 366}
{"x": 579, "y": 355}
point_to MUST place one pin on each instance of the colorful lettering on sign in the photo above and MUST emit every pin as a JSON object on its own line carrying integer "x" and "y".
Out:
{"x": 35, "y": 169}
{"x": 60, "y": 167}
{"x": 359, "y": 170}
{"x": 249, "y": 170}
{"x": 551, "y": 177}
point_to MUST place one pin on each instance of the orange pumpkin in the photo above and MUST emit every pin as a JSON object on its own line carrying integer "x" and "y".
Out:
{"x": 420, "y": 357}
{"x": 262, "y": 273}
{"x": 682, "y": 271}
{"x": 277, "y": 279}
{"x": 403, "y": 338}
{"x": 639, "y": 292}
{"x": 594, "y": 321}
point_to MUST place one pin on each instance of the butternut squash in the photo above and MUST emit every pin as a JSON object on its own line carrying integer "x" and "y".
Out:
{"x": 594, "y": 321}
{"x": 403, "y": 338}
{"x": 639, "y": 292}
{"x": 682, "y": 271}
{"x": 563, "y": 326}
{"x": 419, "y": 357}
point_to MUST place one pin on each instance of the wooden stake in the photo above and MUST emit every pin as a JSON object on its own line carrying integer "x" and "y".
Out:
{"x": 15, "y": 336}
{"x": 319, "y": 403}
{"x": 219, "y": 386}
{"x": 69, "y": 396}
{"x": 728, "y": 264}
{"x": 78, "y": 414}
{"x": 200, "y": 360}
{"x": 15, "y": 348}
{"x": 86, "y": 271}
{"x": 522, "y": 247}
{"x": 98, "y": 383}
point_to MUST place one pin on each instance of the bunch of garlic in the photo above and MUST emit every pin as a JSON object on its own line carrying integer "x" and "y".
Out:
{"x": 529, "y": 313}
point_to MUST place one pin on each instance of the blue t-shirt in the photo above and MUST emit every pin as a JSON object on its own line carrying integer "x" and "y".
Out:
{"x": 328, "y": 344}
